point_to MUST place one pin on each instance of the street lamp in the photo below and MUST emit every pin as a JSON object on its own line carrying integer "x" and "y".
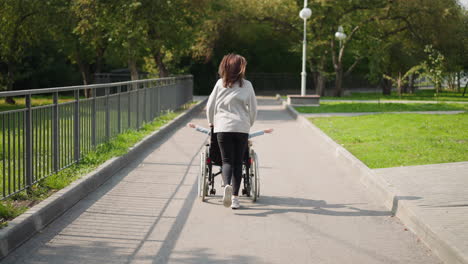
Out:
{"x": 304, "y": 14}
{"x": 340, "y": 35}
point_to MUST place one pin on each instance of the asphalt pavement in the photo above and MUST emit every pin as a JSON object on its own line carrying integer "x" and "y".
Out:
{"x": 311, "y": 210}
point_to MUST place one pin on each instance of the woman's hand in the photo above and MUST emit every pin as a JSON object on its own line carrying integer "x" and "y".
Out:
{"x": 268, "y": 130}
{"x": 192, "y": 125}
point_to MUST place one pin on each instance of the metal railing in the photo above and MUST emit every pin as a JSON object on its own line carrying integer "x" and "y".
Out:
{"x": 38, "y": 141}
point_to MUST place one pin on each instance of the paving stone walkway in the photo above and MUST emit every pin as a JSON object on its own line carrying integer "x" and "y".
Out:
{"x": 438, "y": 198}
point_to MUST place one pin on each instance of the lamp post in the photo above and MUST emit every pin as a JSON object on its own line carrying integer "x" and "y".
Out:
{"x": 304, "y": 14}
{"x": 340, "y": 35}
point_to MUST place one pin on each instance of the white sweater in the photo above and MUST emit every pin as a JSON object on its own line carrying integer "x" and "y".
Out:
{"x": 232, "y": 109}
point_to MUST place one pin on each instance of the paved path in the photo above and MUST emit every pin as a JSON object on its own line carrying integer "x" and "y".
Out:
{"x": 396, "y": 101}
{"x": 378, "y": 113}
{"x": 312, "y": 210}
{"x": 439, "y": 198}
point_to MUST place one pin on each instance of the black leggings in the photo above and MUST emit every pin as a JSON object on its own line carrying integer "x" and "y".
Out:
{"x": 232, "y": 146}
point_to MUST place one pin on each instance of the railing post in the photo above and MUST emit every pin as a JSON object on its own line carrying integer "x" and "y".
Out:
{"x": 55, "y": 133}
{"x": 159, "y": 100}
{"x": 28, "y": 135}
{"x": 107, "y": 115}
{"x": 145, "y": 117}
{"x": 129, "y": 107}
{"x": 137, "y": 106}
{"x": 191, "y": 89}
{"x": 119, "y": 110}
{"x": 76, "y": 132}
{"x": 93, "y": 118}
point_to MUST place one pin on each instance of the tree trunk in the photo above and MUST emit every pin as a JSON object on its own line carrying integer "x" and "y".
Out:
{"x": 158, "y": 58}
{"x": 318, "y": 78}
{"x": 320, "y": 85}
{"x": 411, "y": 83}
{"x": 86, "y": 76}
{"x": 386, "y": 86}
{"x": 99, "y": 60}
{"x": 132, "y": 66}
{"x": 399, "y": 84}
{"x": 338, "y": 83}
{"x": 405, "y": 88}
{"x": 315, "y": 80}
{"x": 464, "y": 90}
{"x": 10, "y": 81}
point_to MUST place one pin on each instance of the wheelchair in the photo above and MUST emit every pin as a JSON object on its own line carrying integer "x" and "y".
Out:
{"x": 210, "y": 158}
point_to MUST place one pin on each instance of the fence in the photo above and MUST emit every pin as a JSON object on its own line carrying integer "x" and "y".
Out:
{"x": 278, "y": 81}
{"x": 116, "y": 77}
{"x": 38, "y": 141}
{"x": 265, "y": 83}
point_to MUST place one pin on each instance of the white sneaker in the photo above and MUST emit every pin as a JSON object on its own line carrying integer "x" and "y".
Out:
{"x": 235, "y": 202}
{"x": 227, "y": 196}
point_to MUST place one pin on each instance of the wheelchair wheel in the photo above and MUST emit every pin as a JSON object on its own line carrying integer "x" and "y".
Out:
{"x": 257, "y": 175}
{"x": 254, "y": 183}
{"x": 203, "y": 175}
{"x": 200, "y": 174}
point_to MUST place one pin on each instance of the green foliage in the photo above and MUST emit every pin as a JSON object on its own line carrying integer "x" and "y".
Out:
{"x": 434, "y": 66}
{"x": 75, "y": 39}
{"x": 425, "y": 95}
{"x": 403, "y": 79}
{"x": 391, "y": 140}
{"x": 8, "y": 211}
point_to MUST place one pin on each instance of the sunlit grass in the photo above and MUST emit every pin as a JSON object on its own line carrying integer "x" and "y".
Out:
{"x": 344, "y": 107}
{"x": 392, "y": 140}
{"x": 36, "y": 101}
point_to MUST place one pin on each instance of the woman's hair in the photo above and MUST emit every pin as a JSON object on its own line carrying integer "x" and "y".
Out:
{"x": 232, "y": 69}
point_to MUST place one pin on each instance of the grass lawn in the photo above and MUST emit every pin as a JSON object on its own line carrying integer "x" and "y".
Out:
{"x": 36, "y": 101}
{"x": 392, "y": 140}
{"x": 18, "y": 203}
{"x": 340, "y": 107}
{"x": 428, "y": 95}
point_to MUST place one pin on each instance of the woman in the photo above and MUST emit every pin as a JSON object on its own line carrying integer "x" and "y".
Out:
{"x": 232, "y": 109}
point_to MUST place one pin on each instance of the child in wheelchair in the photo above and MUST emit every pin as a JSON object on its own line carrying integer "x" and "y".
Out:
{"x": 211, "y": 157}
{"x": 251, "y": 135}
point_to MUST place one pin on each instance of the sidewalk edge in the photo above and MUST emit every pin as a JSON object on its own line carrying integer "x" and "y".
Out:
{"x": 388, "y": 195}
{"x": 22, "y": 228}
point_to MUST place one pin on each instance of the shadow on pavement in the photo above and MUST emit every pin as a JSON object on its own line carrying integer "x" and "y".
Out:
{"x": 95, "y": 230}
{"x": 401, "y": 198}
{"x": 269, "y": 205}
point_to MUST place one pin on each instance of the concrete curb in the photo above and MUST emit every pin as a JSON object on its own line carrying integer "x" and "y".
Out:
{"x": 36, "y": 218}
{"x": 388, "y": 195}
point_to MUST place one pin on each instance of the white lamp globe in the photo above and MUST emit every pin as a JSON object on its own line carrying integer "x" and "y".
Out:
{"x": 340, "y": 35}
{"x": 305, "y": 13}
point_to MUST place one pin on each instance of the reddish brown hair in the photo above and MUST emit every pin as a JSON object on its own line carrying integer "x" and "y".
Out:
{"x": 232, "y": 69}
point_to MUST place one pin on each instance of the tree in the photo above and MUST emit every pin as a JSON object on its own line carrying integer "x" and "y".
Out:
{"x": 434, "y": 66}
{"x": 19, "y": 30}
{"x": 168, "y": 27}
